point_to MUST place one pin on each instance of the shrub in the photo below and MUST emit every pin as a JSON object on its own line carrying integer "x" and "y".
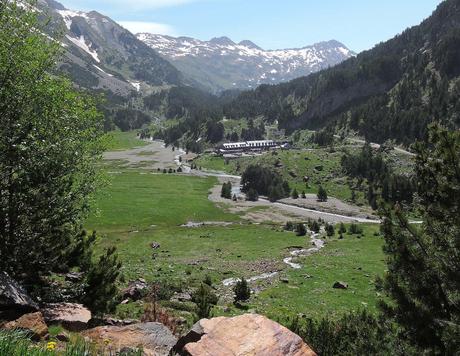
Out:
{"x": 252, "y": 195}
{"x": 226, "y": 191}
{"x": 241, "y": 290}
{"x": 101, "y": 291}
{"x": 300, "y": 230}
{"x": 204, "y": 298}
{"x": 322, "y": 194}
{"x": 330, "y": 231}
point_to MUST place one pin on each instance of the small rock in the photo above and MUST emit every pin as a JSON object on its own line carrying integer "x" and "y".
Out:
{"x": 284, "y": 280}
{"x": 125, "y": 301}
{"x": 33, "y": 323}
{"x": 340, "y": 285}
{"x": 63, "y": 337}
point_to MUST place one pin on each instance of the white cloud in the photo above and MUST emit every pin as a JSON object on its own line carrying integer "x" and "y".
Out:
{"x": 150, "y": 27}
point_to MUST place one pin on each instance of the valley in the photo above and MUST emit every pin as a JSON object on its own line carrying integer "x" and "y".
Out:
{"x": 228, "y": 240}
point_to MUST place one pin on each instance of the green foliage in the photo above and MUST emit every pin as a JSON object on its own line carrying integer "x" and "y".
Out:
{"x": 50, "y": 140}
{"x": 314, "y": 226}
{"x": 242, "y": 291}
{"x": 371, "y": 166}
{"x": 204, "y": 298}
{"x": 342, "y": 228}
{"x": 330, "y": 231}
{"x": 300, "y": 230}
{"x": 252, "y": 195}
{"x": 226, "y": 191}
{"x": 358, "y": 333}
{"x": 423, "y": 263}
{"x": 100, "y": 290}
{"x": 322, "y": 194}
{"x": 323, "y": 138}
{"x": 294, "y": 194}
{"x": 355, "y": 229}
{"x": 265, "y": 181}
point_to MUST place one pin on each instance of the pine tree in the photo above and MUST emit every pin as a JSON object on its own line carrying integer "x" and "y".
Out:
{"x": 423, "y": 261}
{"x": 300, "y": 230}
{"x": 241, "y": 290}
{"x": 226, "y": 191}
{"x": 330, "y": 231}
{"x": 204, "y": 299}
{"x": 342, "y": 228}
{"x": 303, "y": 195}
{"x": 252, "y": 195}
{"x": 322, "y": 194}
{"x": 294, "y": 194}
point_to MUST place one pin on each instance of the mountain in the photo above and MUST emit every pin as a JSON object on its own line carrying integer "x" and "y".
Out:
{"x": 392, "y": 91}
{"x": 221, "y": 64}
{"x": 101, "y": 55}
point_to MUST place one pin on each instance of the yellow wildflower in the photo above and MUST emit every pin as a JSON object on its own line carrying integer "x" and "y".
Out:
{"x": 51, "y": 345}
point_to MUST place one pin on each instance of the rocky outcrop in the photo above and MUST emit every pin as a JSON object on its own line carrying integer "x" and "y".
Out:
{"x": 32, "y": 323}
{"x": 71, "y": 316}
{"x": 14, "y": 300}
{"x": 155, "y": 339}
{"x": 248, "y": 334}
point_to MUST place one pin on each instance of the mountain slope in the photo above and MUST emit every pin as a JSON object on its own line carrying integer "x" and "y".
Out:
{"x": 391, "y": 91}
{"x": 100, "y": 54}
{"x": 221, "y": 64}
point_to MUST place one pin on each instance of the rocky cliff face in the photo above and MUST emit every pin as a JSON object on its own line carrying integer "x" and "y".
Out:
{"x": 221, "y": 64}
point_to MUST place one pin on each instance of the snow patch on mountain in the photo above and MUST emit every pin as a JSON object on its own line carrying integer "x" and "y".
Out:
{"x": 81, "y": 42}
{"x": 68, "y": 15}
{"x": 245, "y": 61}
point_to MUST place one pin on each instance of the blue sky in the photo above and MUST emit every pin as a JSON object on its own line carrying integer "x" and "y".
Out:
{"x": 271, "y": 24}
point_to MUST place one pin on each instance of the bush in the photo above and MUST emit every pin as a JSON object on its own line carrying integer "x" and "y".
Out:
{"x": 300, "y": 230}
{"x": 330, "y": 231}
{"x": 241, "y": 290}
{"x": 358, "y": 333}
{"x": 204, "y": 298}
{"x": 355, "y": 229}
{"x": 101, "y": 292}
{"x": 226, "y": 191}
{"x": 322, "y": 194}
{"x": 314, "y": 226}
{"x": 252, "y": 195}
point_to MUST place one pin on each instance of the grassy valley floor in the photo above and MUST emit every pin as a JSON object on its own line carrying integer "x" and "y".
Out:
{"x": 140, "y": 206}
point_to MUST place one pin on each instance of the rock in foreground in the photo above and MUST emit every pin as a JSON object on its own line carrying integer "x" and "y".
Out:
{"x": 32, "y": 323}
{"x": 14, "y": 300}
{"x": 155, "y": 339}
{"x": 73, "y": 317}
{"x": 248, "y": 334}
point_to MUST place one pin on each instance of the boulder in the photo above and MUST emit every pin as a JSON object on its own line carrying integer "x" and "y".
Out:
{"x": 136, "y": 289}
{"x": 71, "y": 316}
{"x": 340, "y": 285}
{"x": 14, "y": 301}
{"x": 248, "y": 334}
{"x": 154, "y": 338}
{"x": 32, "y": 323}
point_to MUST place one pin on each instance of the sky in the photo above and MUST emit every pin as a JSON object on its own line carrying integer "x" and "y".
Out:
{"x": 271, "y": 24}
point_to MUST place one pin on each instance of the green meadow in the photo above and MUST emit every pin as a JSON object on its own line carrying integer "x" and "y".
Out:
{"x": 138, "y": 207}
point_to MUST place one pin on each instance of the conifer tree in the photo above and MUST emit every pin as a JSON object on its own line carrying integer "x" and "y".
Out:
{"x": 424, "y": 261}
{"x": 322, "y": 194}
